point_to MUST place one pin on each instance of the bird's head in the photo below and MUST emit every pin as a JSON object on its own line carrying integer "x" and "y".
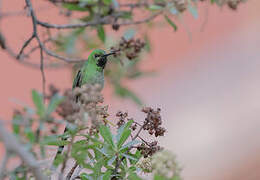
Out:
{"x": 100, "y": 57}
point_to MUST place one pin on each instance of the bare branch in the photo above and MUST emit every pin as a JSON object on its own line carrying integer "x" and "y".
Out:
{"x": 43, "y": 75}
{"x": 25, "y": 45}
{"x": 3, "y": 164}
{"x": 12, "y": 145}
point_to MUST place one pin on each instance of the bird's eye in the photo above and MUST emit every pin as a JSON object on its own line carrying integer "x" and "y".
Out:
{"x": 96, "y": 55}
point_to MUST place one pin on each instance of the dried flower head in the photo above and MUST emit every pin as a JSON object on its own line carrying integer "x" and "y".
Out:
{"x": 145, "y": 164}
{"x": 153, "y": 121}
{"x": 149, "y": 149}
{"x": 130, "y": 47}
{"x": 82, "y": 105}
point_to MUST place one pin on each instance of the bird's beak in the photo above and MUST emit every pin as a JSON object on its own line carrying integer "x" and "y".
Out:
{"x": 111, "y": 53}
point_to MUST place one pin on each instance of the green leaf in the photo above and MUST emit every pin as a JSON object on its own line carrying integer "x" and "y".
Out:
{"x": 123, "y": 128}
{"x": 193, "y": 10}
{"x": 129, "y": 144}
{"x": 147, "y": 43}
{"x": 74, "y": 7}
{"x": 176, "y": 177}
{"x": 159, "y": 177}
{"x": 38, "y": 102}
{"x": 16, "y": 122}
{"x": 126, "y": 15}
{"x": 54, "y": 141}
{"x": 110, "y": 162}
{"x": 29, "y": 134}
{"x": 123, "y": 138}
{"x": 79, "y": 152}
{"x": 170, "y": 22}
{"x": 55, "y": 101}
{"x": 107, "y": 2}
{"x": 133, "y": 176}
{"x": 101, "y": 33}
{"x": 129, "y": 157}
{"x": 107, "y": 175}
{"x": 106, "y": 134}
{"x": 84, "y": 176}
{"x": 154, "y": 7}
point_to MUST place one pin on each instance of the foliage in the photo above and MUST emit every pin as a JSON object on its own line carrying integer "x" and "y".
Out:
{"x": 100, "y": 152}
{"x": 93, "y": 147}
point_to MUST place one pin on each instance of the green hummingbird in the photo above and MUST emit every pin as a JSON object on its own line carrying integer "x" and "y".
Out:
{"x": 92, "y": 72}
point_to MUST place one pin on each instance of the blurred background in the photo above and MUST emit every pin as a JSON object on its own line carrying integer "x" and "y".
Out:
{"x": 207, "y": 87}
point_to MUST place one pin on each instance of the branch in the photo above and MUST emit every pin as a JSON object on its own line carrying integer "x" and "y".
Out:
{"x": 103, "y": 21}
{"x": 3, "y": 164}
{"x": 12, "y": 145}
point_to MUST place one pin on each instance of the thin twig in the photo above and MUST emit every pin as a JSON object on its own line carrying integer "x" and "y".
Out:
{"x": 43, "y": 75}
{"x": 26, "y": 43}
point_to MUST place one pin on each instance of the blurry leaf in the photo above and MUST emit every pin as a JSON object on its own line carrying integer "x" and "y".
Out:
{"x": 122, "y": 129}
{"x": 170, "y": 22}
{"x": 54, "y": 141}
{"x": 107, "y": 175}
{"x": 174, "y": 11}
{"x": 59, "y": 159}
{"x": 126, "y": 15}
{"x": 129, "y": 34}
{"x": 107, "y": 2}
{"x": 85, "y": 176}
{"x": 125, "y": 93}
{"x": 129, "y": 157}
{"x": 106, "y": 134}
{"x": 176, "y": 177}
{"x": 159, "y": 177}
{"x": 154, "y": 7}
{"x": 133, "y": 176}
{"x": 123, "y": 138}
{"x": 29, "y": 134}
{"x": 43, "y": 152}
{"x": 73, "y": 7}
{"x": 147, "y": 43}
{"x": 69, "y": 45}
{"x": 55, "y": 101}
{"x": 212, "y": 1}
{"x": 16, "y": 123}
{"x": 79, "y": 152}
{"x": 101, "y": 33}
{"x": 97, "y": 168}
{"x": 193, "y": 10}
{"x": 110, "y": 162}
{"x": 115, "y": 3}
{"x": 89, "y": 1}
{"x": 123, "y": 135}
{"x": 129, "y": 144}
{"x": 38, "y": 102}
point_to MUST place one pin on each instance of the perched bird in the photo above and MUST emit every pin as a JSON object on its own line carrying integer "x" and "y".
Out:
{"x": 92, "y": 72}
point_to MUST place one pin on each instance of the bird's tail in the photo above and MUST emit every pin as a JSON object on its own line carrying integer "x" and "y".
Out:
{"x": 60, "y": 149}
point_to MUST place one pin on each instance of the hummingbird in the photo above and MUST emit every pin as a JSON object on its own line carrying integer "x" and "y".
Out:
{"x": 92, "y": 72}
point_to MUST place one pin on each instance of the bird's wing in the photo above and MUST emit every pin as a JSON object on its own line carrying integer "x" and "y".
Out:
{"x": 78, "y": 80}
